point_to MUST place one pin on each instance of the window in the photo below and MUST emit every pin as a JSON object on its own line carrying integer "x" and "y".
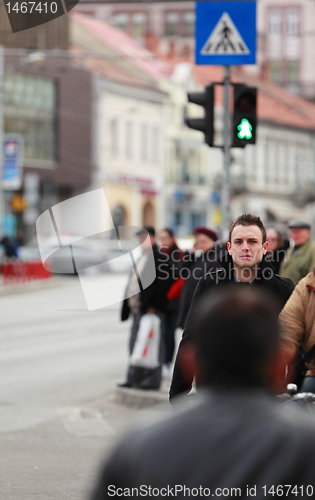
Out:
{"x": 129, "y": 140}
{"x": 171, "y": 25}
{"x": 138, "y": 25}
{"x": 292, "y": 72}
{"x": 197, "y": 219}
{"x": 189, "y": 23}
{"x": 178, "y": 219}
{"x": 275, "y": 72}
{"x": 114, "y": 137}
{"x": 293, "y": 22}
{"x": 284, "y": 45}
{"x": 144, "y": 142}
{"x": 119, "y": 215}
{"x": 121, "y": 21}
{"x": 30, "y": 110}
{"x": 155, "y": 136}
{"x": 275, "y": 21}
{"x": 186, "y": 178}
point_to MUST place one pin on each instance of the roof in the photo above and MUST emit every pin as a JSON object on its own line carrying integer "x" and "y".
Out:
{"x": 108, "y": 69}
{"x": 132, "y": 63}
{"x": 125, "y": 46}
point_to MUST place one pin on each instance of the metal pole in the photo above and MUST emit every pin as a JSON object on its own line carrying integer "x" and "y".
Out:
{"x": 2, "y": 201}
{"x": 225, "y": 192}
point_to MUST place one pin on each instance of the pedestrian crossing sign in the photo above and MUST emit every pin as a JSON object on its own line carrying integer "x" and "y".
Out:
{"x": 226, "y": 33}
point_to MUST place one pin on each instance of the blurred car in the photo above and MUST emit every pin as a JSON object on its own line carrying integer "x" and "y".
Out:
{"x": 121, "y": 262}
{"x": 86, "y": 254}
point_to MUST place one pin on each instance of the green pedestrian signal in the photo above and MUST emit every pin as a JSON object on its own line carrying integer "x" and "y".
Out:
{"x": 245, "y": 130}
{"x": 244, "y": 123}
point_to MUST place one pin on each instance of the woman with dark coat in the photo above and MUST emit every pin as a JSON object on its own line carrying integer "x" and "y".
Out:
{"x": 175, "y": 255}
{"x": 195, "y": 264}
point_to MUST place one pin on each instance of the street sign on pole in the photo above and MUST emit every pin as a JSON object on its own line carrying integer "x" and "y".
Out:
{"x": 12, "y": 157}
{"x": 226, "y": 33}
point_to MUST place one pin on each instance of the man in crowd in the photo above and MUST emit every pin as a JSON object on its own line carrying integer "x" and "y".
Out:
{"x": 244, "y": 265}
{"x": 150, "y": 299}
{"x": 276, "y": 248}
{"x": 300, "y": 259}
{"x": 235, "y": 440}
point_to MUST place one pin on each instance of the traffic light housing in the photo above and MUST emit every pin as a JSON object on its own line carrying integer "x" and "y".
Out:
{"x": 205, "y": 125}
{"x": 244, "y": 116}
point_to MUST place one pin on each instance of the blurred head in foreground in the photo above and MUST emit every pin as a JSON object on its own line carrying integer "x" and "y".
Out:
{"x": 236, "y": 341}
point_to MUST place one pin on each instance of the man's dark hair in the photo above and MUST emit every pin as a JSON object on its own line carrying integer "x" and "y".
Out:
{"x": 249, "y": 220}
{"x": 236, "y": 336}
{"x": 169, "y": 231}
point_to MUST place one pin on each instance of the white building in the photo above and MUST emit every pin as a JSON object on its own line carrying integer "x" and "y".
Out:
{"x": 128, "y": 114}
{"x": 129, "y": 151}
{"x": 274, "y": 178}
{"x": 286, "y": 44}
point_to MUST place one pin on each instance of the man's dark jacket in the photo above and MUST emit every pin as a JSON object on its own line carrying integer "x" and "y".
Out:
{"x": 193, "y": 267}
{"x": 230, "y": 439}
{"x": 154, "y": 295}
{"x": 266, "y": 279}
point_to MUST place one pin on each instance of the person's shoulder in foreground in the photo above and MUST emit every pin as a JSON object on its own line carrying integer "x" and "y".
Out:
{"x": 254, "y": 444}
{"x": 234, "y": 436}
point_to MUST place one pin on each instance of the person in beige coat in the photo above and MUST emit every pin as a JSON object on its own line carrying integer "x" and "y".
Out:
{"x": 298, "y": 324}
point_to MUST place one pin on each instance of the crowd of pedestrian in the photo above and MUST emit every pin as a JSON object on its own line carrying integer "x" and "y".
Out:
{"x": 247, "y": 307}
{"x": 264, "y": 258}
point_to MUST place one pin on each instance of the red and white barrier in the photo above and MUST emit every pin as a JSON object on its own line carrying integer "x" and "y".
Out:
{"x": 15, "y": 271}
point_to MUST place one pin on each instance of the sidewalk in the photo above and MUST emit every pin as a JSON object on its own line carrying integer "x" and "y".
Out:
{"x": 28, "y": 286}
{"x": 129, "y": 402}
{"x": 122, "y": 408}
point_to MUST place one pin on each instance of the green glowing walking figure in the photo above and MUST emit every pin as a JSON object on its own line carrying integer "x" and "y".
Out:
{"x": 245, "y": 129}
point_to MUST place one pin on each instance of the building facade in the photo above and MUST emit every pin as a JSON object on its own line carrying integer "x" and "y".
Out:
{"x": 129, "y": 151}
{"x": 165, "y": 26}
{"x": 260, "y": 181}
{"x": 49, "y": 106}
{"x": 285, "y": 34}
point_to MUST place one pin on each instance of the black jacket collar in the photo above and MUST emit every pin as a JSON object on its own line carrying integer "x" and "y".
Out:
{"x": 266, "y": 269}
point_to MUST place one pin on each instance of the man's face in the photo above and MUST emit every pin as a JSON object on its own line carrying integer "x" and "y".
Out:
{"x": 300, "y": 235}
{"x": 272, "y": 238}
{"x": 204, "y": 243}
{"x": 246, "y": 247}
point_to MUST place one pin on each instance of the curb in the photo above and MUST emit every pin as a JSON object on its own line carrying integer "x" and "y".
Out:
{"x": 29, "y": 286}
{"x": 139, "y": 398}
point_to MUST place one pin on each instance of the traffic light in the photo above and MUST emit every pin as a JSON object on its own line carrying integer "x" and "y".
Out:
{"x": 205, "y": 125}
{"x": 244, "y": 115}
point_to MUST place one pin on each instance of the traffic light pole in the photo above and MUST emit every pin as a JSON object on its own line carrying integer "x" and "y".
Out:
{"x": 225, "y": 189}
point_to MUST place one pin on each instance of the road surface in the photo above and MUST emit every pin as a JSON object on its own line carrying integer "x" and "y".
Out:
{"x": 60, "y": 364}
